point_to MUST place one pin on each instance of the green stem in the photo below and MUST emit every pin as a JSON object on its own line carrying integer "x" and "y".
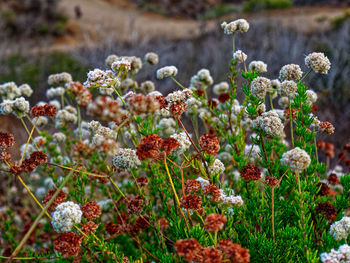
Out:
{"x": 79, "y": 123}
{"x": 271, "y": 103}
{"x": 233, "y": 43}
{"x": 291, "y": 120}
{"x": 177, "y": 82}
{"x": 116, "y": 187}
{"x": 307, "y": 73}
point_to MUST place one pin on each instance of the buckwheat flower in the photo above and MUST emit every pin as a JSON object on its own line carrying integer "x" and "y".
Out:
{"x": 250, "y": 172}
{"x": 232, "y": 200}
{"x": 221, "y": 88}
{"x": 166, "y": 72}
{"x": 68, "y": 244}
{"x": 42, "y": 121}
{"x": 283, "y": 102}
{"x": 91, "y": 210}
{"x": 342, "y": 255}
{"x": 183, "y": 140}
{"x": 311, "y": 96}
{"x": 239, "y": 56}
{"x": 340, "y": 229}
{"x": 9, "y": 90}
{"x": 59, "y": 137}
{"x": 65, "y": 216}
{"x": 179, "y": 96}
{"x": 94, "y": 125}
{"x": 55, "y": 103}
{"x": 122, "y": 64}
{"x": 147, "y": 86}
{"x": 126, "y": 159}
{"x": 259, "y": 87}
{"x": 214, "y": 222}
{"x": 238, "y": 25}
{"x": 6, "y": 107}
{"x": 275, "y": 84}
{"x": 203, "y": 182}
{"x": 106, "y": 91}
{"x": 21, "y": 107}
{"x": 209, "y": 143}
{"x": 217, "y": 167}
{"x": 128, "y": 84}
{"x": 167, "y": 125}
{"x": 327, "y": 127}
{"x": 26, "y": 90}
{"x": 95, "y": 75}
{"x": 59, "y": 78}
{"x": 288, "y": 88}
{"x": 6, "y": 140}
{"x": 318, "y": 62}
{"x": 270, "y": 123}
{"x": 193, "y": 105}
{"x": 258, "y": 66}
{"x": 110, "y": 59}
{"x": 290, "y": 72}
{"x": 151, "y": 58}
{"x": 189, "y": 249}
{"x": 297, "y": 159}
{"x": 201, "y": 79}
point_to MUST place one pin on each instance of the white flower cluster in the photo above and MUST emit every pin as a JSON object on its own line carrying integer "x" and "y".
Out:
{"x": 121, "y": 64}
{"x": 342, "y": 255}
{"x": 221, "y": 88}
{"x": 19, "y": 106}
{"x": 193, "y": 105}
{"x": 318, "y": 62}
{"x": 66, "y": 115}
{"x": 167, "y": 126}
{"x": 202, "y": 79}
{"x": 10, "y": 91}
{"x": 288, "y": 88}
{"x": 258, "y": 66}
{"x": 125, "y": 63}
{"x": 59, "y": 78}
{"x": 59, "y": 137}
{"x": 239, "y": 56}
{"x": 253, "y": 152}
{"x": 151, "y": 58}
{"x": 179, "y": 96}
{"x": 340, "y": 229}
{"x": 297, "y": 159}
{"x": 184, "y": 142}
{"x": 54, "y": 92}
{"x": 126, "y": 159}
{"x": 65, "y": 216}
{"x": 270, "y": 123}
{"x": 259, "y": 87}
{"x": 217, "y": 167}
{"x": 238, "y": 25}
{"x": 166, "y": 72}
{"x": 147, "y": 86}
{"x": 311, "y": 96}
{"x": 291, "y": 72}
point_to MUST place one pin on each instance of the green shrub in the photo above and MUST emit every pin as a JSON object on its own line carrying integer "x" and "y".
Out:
{"x": 254, "y": 5}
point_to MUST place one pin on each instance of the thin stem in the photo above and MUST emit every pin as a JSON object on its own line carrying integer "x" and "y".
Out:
{"x": 233, "y": 43}
{"x": 315, "y": 143}
{"x": 178, "y": 83}
{"x": 25, "y": 126}
{"x": 307, "y": 73}
{"x": 79, "y": 123}
{"x": 30, "y": 136}
{"x": 271, "y": 103}
{"x": 116, "y": 187}
{"x": 291, "y": 120}
{"x": 273, "y": 213}
{"x": 77, "y": 171}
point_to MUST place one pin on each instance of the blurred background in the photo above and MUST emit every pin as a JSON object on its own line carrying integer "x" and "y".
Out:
{"x": 41, "y": 37}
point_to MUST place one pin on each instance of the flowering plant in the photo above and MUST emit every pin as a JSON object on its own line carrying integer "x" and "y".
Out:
{"x": 185, "y": 177}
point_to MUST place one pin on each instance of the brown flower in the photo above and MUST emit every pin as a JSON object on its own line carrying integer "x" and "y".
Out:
{"x": 38, "y": 157}
{"x": 37, "y": 111}
{"x": 235, "y": 252}
{"x": 192, "y": 186}
{"x": 27, "y": 166}
{"x": 113, "y": 229}
{"x": 162, "y": 101}
{"x": 6, "y": 140}
{"x": 326, "y": 127}
{"x": 328, "y": 210}
{"x": 324, "y": 190}
{"x": 60, "y": 198}
{"x": 191, "y": 202}
{"x": 89, "y": 227}
{"x": 142, "y": 181}
{"x": 142, "y": 222}
{"x": 212, "y": 103}
{"x": 209, "y": 143}
{"x": 224, "y": 97}
{"x": 333, "y": 179}
{"x": 68, "y": 244}
{"x": 50, "y": 110}
{"x": 149, "y": 146}
{"x": 271, "y": 181}
{"x": 321, "y": 145}
{"x": 178, "y": 109}
{"x": 199, "y": 92}
{"x": 135, "y": 205}
{"x": 189, "y": 249}
{"x": 250, "y": 172}
{"x": 170, "y": 144}
{"x": 91, "y": 210}
{"x": 211, "y": 255}
{"x": 213, "y": 191}
{"x": 214, "y": 222}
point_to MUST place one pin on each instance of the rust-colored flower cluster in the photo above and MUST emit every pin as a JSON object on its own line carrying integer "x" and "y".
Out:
{"x": 271, "y": 181}
{"x": 107, "y": 109}
{"x": 189, "y": 249}
{"x": 169, "y": 144}
{"x": 326, "y": 127}
{"x": 82, "y": 94}
{"x": 212, "y": 191}
{"x": 234, "y": 252}
{"x": 44, "y": 110}
{"x": 135, "y": 205}
{"x": 191, "y": 202}
{"x": 29, "y": 164}
{"x": 326, "y": 147}
{"x": 91, "y": 210}
{"x": 328, "y": 210}
{"x": 250, "y": 172}
{"x": 192, "y": 186}
{"x": 209, "y": 143}
{"x": 142, "y": 104}
{"x": 89, "y": 227}
{"x": 214, "y": 222}
{"x": 6, "y": 140}
{"x": 68, "y": 244}
{"x": 60, "y": 198}
{"x": 142, "y": 181}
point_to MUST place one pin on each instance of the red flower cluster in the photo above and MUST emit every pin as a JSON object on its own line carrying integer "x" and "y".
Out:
{"x": 6, "y": 140}
{"x": 211, "y": 255}
{"x": 328, "y": 210}
{"x": 91, "y": 210}
{"x": 169, "y": 144}
{"x": 149, "y": 146}
{"x": 192, "y": 186}
{"x": 135, "y": 205}
{"x": 89, "y": 227}
{"x": 213, "y": 191}
{"x": 326, "y": 127}
{"x": 234, "y": 252}
{"x": 214, "y": 222}
{"x": 189, "y": 249}
{"x": 29, "y": 164}
{"x": 82, "y": 94}
{"x": 192, "y": 202}
{"x": 60, "y": 198}
{"x": 68, "y": 244}
{"x": 250, "y": 172}
{"x": 142, "y": 181}
{"x": 209, "y": 143}
{"x": 45, "y": 110}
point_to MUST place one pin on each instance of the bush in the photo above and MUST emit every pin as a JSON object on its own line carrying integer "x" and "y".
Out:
{"x": 254, "y": 5}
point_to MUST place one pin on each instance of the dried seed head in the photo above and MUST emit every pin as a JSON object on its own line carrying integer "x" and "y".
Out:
{"x": 328, "y": 210}
{"x": 326, "y": 127}
{"x": 191, "y": 202}
{"x": 91, "y": 210}
{"x": 189, "y": 249}
{"x": 68, "y": 244}
{"x": 192, "y": 186}
{"x": 214, "y": 222}
{"x": 209, "y": 143}
{"x": 250, "y": 173}
{"x": 6, "y": 140}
